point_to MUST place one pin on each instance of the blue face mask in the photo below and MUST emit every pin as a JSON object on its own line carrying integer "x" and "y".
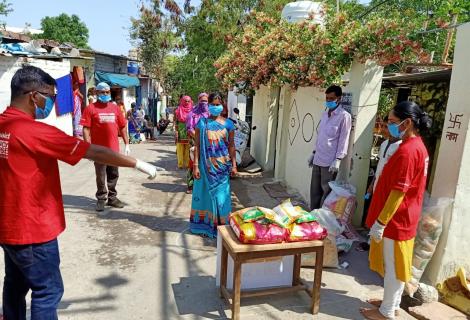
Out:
{"x": 48, "y": 107}
{"x": 394, "y": 130}
{"x": 331, "y": 104}
{"x": 104, "y": 98}
{"x": 215, "y": 110}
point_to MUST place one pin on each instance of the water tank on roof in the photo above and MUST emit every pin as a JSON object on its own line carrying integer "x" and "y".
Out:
{"x": 299, "y": 11}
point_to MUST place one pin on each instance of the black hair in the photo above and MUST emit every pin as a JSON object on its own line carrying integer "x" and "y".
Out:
{"x": 410, "y": 110}
{"x": 29, "y": 78}
{"x": 146, "y": 117}
{"x": 213, "y": 96}
{"x": 336, "y": 89}
{"x": 236, "y": 110}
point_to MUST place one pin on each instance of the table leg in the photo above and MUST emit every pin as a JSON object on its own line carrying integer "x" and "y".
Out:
{"x": 296, "y": 271}
{"x": 223, "y": 268}
{"x": 317, "y": 280}
{"x": 237, "y": 279}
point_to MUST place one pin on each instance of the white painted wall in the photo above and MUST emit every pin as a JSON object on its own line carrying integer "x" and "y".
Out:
{"x": 301, "y": 113}
{"x": 57, "y": 69}
{"x": 364, "y": 84}
{"x": 259, "y": 136}
{"x": 452, "y": 175}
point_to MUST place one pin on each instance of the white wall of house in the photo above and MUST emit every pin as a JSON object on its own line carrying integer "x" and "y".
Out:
{"x": 299, "y": 114}
{"x": 452, "y": 175}
{"x": 57, "y": 69}
{"x": 364, "y": 86}
{"x": 259, "y": 136}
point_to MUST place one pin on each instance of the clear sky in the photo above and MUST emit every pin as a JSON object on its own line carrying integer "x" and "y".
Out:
{"x": 108, "y": 21}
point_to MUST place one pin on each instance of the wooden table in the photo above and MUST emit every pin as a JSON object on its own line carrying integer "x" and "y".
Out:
{"x": 246, "y": 253}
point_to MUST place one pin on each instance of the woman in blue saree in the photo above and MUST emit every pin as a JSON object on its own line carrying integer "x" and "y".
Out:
{"x": 214, "y": 163}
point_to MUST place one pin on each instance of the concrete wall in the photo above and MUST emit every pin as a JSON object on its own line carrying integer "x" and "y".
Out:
{"x": 57, "y": 69}
{"x": 261, "y": 137}
{"x": 299, "y": 115}
{"x": 364, "y": 86}
{"x": 452, "y": 175}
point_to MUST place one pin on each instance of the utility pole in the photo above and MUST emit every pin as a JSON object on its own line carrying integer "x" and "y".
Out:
{"x": 337, "y": 6}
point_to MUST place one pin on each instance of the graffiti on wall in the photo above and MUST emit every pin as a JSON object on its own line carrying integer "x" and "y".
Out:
{"x": 306, "y": 126}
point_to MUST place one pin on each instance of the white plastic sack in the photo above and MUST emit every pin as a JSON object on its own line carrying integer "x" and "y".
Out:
{"x": 327, "y": 220}
{"x": 342, "y": 202}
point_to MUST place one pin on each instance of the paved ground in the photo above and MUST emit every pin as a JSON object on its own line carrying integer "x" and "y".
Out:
{"x": 140, "y": 262}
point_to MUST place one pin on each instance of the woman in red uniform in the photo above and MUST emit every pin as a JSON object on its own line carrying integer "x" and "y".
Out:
{"x": 396, "y": 207}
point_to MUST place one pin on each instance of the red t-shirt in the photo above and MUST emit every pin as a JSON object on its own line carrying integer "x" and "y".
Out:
{"x": 31, "y": 208}
{"x": 105, "y": 120}
{"x": 405, "y": 171}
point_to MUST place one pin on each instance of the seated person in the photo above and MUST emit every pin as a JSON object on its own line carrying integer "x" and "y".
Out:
{"x": 148, "y": 128}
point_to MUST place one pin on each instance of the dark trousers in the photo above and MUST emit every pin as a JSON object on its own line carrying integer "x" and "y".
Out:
{"x": 106, "y": 181}
{"x": 32, "y": 267}
{"x": 319, "y": 188}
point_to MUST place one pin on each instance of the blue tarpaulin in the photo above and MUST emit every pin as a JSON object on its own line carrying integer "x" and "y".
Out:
{"x": 64, "y": 101}
{"x": 117, "y": 79}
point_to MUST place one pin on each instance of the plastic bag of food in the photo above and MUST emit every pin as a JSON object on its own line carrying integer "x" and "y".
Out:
{"x": 283, "y": 215}
{"x": 427, "y": 237}
{"x": 342, "y": 202}
{"x": 257, "y": 232}
{"x": 306, "y": 232}
{"x": 330, "y": 255}
{"x": 250, "y": 214}
{"x": 305, "y": 215}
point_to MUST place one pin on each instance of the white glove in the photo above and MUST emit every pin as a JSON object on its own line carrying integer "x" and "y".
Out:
{"x": 147, "y": 168}
{"x": 377, "y": 231}
{"x": 310, "y": 160}
{"x": 127, "y": 150}
{"x": 334, "y": 166}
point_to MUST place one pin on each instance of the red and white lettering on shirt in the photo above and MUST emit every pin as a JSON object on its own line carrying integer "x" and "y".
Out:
{"x": 105, "y": 120}
{"x": 31, "y": 208}
{"x": 405, "y": 171}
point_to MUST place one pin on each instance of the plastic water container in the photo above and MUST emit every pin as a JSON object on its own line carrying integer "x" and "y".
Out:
{"x": 133, "y": 68}
{"x": 299, "y": 11}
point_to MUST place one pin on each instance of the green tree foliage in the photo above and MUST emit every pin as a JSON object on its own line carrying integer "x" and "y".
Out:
{"x": 180, "y": 45}
{"x": 5, "y": 9}
{"x": 65, "y": 28}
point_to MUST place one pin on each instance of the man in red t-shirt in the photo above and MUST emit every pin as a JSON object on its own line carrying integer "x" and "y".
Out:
{"x": 31, "y": 208}
{"x": 102, "y": 121}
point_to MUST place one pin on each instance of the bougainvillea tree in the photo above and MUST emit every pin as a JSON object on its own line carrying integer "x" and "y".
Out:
{"x": 275, "y": 52}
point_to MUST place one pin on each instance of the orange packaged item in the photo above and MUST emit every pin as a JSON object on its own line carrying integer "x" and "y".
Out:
{"x": 257, "y": 232}
{"x": 307, "y": 232}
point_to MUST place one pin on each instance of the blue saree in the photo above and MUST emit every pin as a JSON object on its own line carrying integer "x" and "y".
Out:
{"x": 211, "y": 202}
